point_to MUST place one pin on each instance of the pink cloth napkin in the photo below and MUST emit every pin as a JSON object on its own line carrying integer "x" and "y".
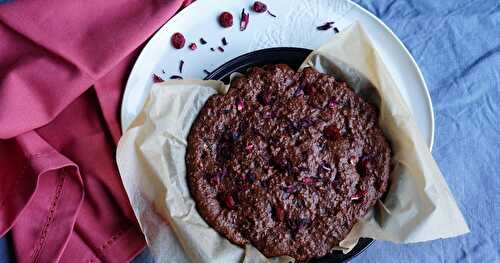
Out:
{"x": 63, "y": 67}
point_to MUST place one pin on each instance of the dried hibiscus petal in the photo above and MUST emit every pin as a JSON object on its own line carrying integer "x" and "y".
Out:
{"x": 245, "y": 17}
{"x": 326, "y": 167}
{"x": 300, "y": 87}
{"x": 157, "y": 79}
{"x": 358, "y": 195}
{"x": 325, "y": 26}
{"x": 193, "y": 46}
{"x": 181, "y": 65}
{"x": 178, "y": 40}
{"x": 226, "y": 19}
{"x": 259, "y": 7}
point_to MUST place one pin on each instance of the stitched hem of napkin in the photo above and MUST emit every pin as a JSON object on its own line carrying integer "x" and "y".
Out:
{"x": 61, "y": 176}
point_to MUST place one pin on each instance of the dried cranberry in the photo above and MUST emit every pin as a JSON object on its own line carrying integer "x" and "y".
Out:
{"x": 157, "y": 79}
{"x": 259, "y": 7}
{"x": 332, "y": 104}
{"x": 279, "y": 213}
{"x": 193, "y": 46}
{"x": 229, "y": 201}
{"x": 245, "y": 17}
{"x": 249, "y": 147}
{"x": 226, "y": 19}
{"x": 240, "y": 104}
{"x": 178, "y": 40}
{"x": 308, "y": 180}
{"x": 332, "y": 132}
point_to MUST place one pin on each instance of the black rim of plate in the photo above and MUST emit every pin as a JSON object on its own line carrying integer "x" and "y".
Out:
{"x": 293, "y": 57}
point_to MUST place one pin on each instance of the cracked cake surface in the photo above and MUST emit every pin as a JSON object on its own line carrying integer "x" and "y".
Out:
{"x": 286, "y": 161}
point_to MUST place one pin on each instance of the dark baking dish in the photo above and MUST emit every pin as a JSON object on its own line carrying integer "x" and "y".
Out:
{"x": 294, "y": 58}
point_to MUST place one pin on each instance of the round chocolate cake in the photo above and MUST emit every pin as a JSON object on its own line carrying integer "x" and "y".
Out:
{"x": 286, "y": 161}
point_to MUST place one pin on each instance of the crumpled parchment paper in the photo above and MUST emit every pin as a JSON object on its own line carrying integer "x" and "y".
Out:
{"x": 150, "y": 156}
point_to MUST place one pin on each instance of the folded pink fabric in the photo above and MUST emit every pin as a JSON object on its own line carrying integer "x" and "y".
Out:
{"x": 63, "y": 66}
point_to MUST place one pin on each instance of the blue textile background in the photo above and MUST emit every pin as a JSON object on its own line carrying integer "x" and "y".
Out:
{"x": 456, "y": 43}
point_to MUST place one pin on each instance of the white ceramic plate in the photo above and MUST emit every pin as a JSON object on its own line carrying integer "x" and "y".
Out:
{"x": 294, "y": 26}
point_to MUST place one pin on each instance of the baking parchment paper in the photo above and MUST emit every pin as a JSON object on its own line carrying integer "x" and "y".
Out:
{"x": 150, "y": 156}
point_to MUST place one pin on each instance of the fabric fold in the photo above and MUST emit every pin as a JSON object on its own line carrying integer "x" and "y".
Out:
{"x": 63, "y": 67}
{"x": 56, "y": 197}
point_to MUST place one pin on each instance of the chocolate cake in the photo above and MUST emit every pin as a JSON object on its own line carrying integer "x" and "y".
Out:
{"x": 286, "y": 161}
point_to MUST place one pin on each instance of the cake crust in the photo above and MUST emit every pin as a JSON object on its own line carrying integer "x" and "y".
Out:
{"x": 286, "y": 161}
